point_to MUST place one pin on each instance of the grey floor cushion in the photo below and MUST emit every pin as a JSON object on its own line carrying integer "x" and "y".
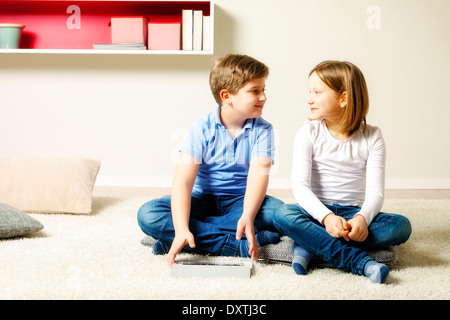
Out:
{"x": 281, "y": 252}
{"x": 15, "y": 223}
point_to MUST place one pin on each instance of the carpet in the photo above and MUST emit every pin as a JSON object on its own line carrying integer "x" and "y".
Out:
{"x": 100, "y": 256}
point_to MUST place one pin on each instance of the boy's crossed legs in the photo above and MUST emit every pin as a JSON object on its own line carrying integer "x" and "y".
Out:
{"x": 213, "y": 221}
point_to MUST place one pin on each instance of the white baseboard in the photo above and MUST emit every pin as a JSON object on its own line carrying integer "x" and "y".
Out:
{"x": 417, "y": 184}
{"x": 132, "y": 181}
{"x": 274, "y": 183}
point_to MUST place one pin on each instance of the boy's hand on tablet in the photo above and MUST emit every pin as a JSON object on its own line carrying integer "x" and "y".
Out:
{"x": 178, "y": 243}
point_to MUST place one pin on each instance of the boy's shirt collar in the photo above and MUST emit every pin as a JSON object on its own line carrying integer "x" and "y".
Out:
{"x": 249, "y": 123}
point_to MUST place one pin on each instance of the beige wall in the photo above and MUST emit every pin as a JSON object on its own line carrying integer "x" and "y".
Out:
{"x": 131, "y": 111}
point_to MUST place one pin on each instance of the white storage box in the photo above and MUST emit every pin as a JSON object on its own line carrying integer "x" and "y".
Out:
{"x": 211, "y": 269}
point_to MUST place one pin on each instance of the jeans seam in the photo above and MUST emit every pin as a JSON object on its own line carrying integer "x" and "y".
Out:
{"x": 230, "y": 249}
{"x": 382, "y": 225}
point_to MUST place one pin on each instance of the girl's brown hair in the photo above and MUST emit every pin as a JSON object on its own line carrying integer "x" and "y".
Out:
{"x": 232, "y": 72}
{"x": 343, "y": 76}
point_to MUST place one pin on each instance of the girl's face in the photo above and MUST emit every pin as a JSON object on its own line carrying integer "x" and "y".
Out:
{"x": 323, "y": 101}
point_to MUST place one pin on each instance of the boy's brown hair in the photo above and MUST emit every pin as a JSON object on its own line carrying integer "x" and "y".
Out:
{"x": 343, "y": 76}
{"x": 232, "y": 72}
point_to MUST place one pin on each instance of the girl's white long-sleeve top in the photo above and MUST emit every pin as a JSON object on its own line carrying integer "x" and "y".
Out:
{"x": 330, "y": 171}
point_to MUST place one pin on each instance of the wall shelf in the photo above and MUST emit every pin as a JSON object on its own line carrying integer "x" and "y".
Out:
{"x": 48, "y": 28}
{"x": 92, "y": 51}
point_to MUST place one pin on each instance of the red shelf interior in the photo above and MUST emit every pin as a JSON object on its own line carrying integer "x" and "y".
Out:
{"x": 46, "y": 21}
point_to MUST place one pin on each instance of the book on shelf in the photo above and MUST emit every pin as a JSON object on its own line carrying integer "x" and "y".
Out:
{"x": 196, "y": 30}
{"x": 120, "y": 46}
{"x": 206, "y": 33}
{"x": 187, "y": 27}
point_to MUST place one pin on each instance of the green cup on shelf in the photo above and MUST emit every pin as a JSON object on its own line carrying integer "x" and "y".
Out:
{"x": 10, "y": 35}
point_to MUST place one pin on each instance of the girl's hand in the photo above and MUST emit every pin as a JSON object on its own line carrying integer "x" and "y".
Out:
{"x": 336, "y": 226}
{"x": 358, "y": 226}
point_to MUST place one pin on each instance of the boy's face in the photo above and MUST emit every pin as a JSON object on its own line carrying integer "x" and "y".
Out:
{"x": 250, "y": 99}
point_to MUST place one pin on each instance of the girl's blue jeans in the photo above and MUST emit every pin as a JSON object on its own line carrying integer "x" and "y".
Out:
{"x": 213, "y": 221}
{"x": 385, "y": 230}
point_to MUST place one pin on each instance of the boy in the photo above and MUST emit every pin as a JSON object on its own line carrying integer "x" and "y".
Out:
{"x": 220, "y": 182}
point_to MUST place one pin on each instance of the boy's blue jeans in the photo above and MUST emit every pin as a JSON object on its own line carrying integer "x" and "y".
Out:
{"x": 213, "y": 221}
{"x": 385, "y": 230}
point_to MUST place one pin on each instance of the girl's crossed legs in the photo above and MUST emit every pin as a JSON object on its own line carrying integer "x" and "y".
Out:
{"x": 385, "y": 230}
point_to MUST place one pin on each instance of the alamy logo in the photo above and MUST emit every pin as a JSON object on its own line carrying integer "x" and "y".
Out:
{"x": 74, "y": 21}
{"x": 373, "y": 22}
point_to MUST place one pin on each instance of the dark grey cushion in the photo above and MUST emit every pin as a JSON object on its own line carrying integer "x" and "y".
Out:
{"x": 148, "y": 241}
{"x": 15, "y": 223}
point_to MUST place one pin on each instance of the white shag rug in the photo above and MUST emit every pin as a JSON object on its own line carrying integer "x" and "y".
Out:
{"x": 100, "y": 256}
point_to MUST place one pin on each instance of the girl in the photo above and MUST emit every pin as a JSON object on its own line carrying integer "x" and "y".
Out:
{"x": 338, "y": 179}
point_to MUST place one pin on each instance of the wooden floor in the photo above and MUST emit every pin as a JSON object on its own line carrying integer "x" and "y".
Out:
{"x": 159, "y": 192}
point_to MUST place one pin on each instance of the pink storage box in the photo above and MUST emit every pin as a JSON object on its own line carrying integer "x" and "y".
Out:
{"x": 164, "y": 36}
{"x": 129, "y": 30}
